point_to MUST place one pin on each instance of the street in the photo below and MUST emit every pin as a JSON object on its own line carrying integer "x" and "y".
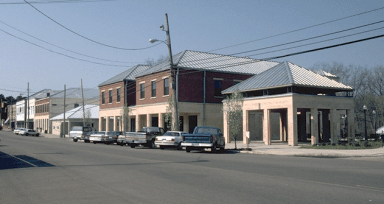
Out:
{"x": 44, "y": 170}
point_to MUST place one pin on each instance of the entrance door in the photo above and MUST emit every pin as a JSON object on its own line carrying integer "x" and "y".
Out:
{"x": 192, "y": 123}
{"x": 155, "y": 122}
{"x": 133, "y": 125}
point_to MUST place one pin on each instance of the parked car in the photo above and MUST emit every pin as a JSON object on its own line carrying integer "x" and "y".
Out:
{"x": 17, "y": 130}
{"x": 104, "y": 137}
{"x": 170, "y": 139}
{"x": 87, "y": 135}
{"x": 78, "y": 132}
{"x": 145, "y": 137}
{"x": 204, "y": 137}
{"x": 28, "y": 132}
{"x": 1, "y": 127}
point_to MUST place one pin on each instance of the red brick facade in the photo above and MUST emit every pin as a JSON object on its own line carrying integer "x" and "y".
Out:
{"x": 191, "y": 86}
{"x": 42, "y": 107}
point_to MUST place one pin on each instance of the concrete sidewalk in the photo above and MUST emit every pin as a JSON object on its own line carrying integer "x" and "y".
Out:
{"x": 285, "y": 150}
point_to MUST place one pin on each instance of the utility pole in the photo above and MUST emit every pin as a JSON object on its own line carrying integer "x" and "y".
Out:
{"x": 82, "y": 94}
{"x": 64, "y": 111}
{"x": 174, "y": 78}
{"x": 28, "y": 108}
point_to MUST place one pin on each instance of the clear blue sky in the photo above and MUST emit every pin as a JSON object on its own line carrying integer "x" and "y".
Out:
{"x": 194, "y": 25}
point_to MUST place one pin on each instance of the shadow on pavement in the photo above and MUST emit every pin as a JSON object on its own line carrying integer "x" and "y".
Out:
{"x": 20, "y": 161}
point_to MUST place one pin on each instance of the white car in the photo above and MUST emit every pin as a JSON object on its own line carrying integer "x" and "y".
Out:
{"x": 170, "y": 139}
{"x": 17, "y": 130}
{"x": 27, "y": 132}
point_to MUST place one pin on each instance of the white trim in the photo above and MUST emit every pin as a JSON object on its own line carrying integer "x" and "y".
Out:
{"x": 165, "y": 77}
{"x": 143, "y": 82}
{"x": 153, "y": 80}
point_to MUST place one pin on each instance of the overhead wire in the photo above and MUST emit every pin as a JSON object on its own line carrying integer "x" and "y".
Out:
{"x": 62, "y": 47}
{"x": 57, "y": 1}
{"x": 300, "y": 29}
{"x": 82, "y": 36}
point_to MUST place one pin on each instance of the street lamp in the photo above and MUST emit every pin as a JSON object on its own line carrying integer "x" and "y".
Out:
{"x": 365, "y": 122}
{"x": 175, "y": 114}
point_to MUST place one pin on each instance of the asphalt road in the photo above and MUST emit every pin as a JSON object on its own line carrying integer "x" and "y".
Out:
{"x": 43, "y": 170}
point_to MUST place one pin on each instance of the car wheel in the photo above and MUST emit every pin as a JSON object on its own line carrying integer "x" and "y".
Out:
{"x": 179, "y": 147}
{"x": 75, "y": 140}
{"x": 94, "y": 142}
{"x": 161, "y": 147}
{"x": 151, "y": 144}
{"x": 133, "y": 146}
{"x": 222, "y": 149}
{"x": 213, "y": 148}
{"x": 37, "y": 134}
{"x": 26, "y": 134}
{"x": 121, "y": 144}
{"x": 188, "y": 149}
{"x": 86, "y": 141}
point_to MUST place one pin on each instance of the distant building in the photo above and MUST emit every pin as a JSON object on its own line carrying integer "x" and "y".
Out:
{"x": 53, "y": 105}
{"x": 74, "y": 117}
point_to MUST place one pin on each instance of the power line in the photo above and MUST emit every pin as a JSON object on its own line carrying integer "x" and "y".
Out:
{"x": 349, "y": 29}
{"x": 318, "y": 41}
{"x": 64, "y": 48}
{"x": 300, "y": 29}
{"x": 110, "y": 46}
{"x": 58, "y": 1}
{"x": 59, "y": 53}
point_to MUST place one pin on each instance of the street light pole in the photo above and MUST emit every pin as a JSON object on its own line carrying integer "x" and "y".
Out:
{"x": 174, "y": 76}
{"x": 365, "y": 122}
{"x": 374, "y": 121}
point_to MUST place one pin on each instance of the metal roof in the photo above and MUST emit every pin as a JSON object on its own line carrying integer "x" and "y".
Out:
{"x": 213, "y": 62}
{"x": 43, "y": 93}
{"x": 76, "y": 93}
{"x": 129, "y": 74}
{"x": 286, "y": 74}
{"x": 77, "y": 113}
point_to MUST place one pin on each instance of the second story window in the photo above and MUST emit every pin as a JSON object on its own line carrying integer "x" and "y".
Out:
{"x": 102, "y": 97}
{"x": 110, "y": 96}
{"x": 118, "y": 94}
{"x": 153, "y": 86}
{"x": 166, "y": 86}
{"x": 142, "y": 90}
{"x": 218, "y": 84}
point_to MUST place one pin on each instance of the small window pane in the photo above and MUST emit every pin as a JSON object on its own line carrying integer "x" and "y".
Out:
{"x": 153, "y": 84}
{"x": 166, "y": 86}
{"x": 142, "y": 90}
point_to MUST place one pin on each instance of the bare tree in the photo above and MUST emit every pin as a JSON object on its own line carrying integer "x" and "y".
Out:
{"x": 125, "y": 117}
{"x": 233, "y": 110}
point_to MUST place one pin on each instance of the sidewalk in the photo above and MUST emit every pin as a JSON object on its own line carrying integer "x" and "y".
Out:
{"x": 284, "y": 150}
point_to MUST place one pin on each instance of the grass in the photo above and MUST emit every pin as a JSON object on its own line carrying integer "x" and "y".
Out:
{"x": 356, "y": 145}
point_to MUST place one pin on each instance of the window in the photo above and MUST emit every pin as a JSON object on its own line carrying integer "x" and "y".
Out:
{"x": 102, "y": 97}
{"x": 142, "y": 90}
{"x": 166, "y": 86}
{"x": 110, "y": 96}
{"x": 118, "y": 93}
{"x": 217, "y": 84}
{"x": 153, "y": 85}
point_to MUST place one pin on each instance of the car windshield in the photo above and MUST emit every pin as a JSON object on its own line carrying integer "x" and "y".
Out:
{"x": 171, "y": 134}
{"x": 77, "y": 128}
{"x": 207, "y": 130}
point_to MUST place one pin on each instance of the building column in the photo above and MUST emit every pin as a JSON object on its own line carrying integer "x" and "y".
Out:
{"x": 334, "y": 121}
{"x": 245, "y": 126}
{"x": 314, "y": 126}
{"x": 292, "y": 126}
{"x": 149, "y": 120}
{"x": 351, "y": 124}
{"x": 100, "y": 123}
{"x": 225, "y": 128}
{"x": 115, "y": 123}
{"x": 161, "y": 121}
{"x": 107, "y": 123}
{"x": 137, "y": 121}
{"x": 267, "y": 127}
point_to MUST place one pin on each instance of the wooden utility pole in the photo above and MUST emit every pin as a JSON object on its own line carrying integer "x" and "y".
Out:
{"x": 175, "y": 114}
{"x": 82, "y": 94}
{"x": 64, "y": 111}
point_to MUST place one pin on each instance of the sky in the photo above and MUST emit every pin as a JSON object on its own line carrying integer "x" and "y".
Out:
{"x": 49, "y": 55}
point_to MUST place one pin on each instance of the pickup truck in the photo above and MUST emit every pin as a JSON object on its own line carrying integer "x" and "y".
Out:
{"x": 204, "y": 137}
{"x": 145, "y": 137}
{"x": 78, "y": 133}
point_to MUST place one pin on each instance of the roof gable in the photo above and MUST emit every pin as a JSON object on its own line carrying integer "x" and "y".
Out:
{"x": 286, "y": 74}
{"x": 129, "y": 74}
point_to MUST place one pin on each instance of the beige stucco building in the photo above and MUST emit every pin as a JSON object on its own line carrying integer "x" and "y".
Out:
{"x": 307, "y": 106}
